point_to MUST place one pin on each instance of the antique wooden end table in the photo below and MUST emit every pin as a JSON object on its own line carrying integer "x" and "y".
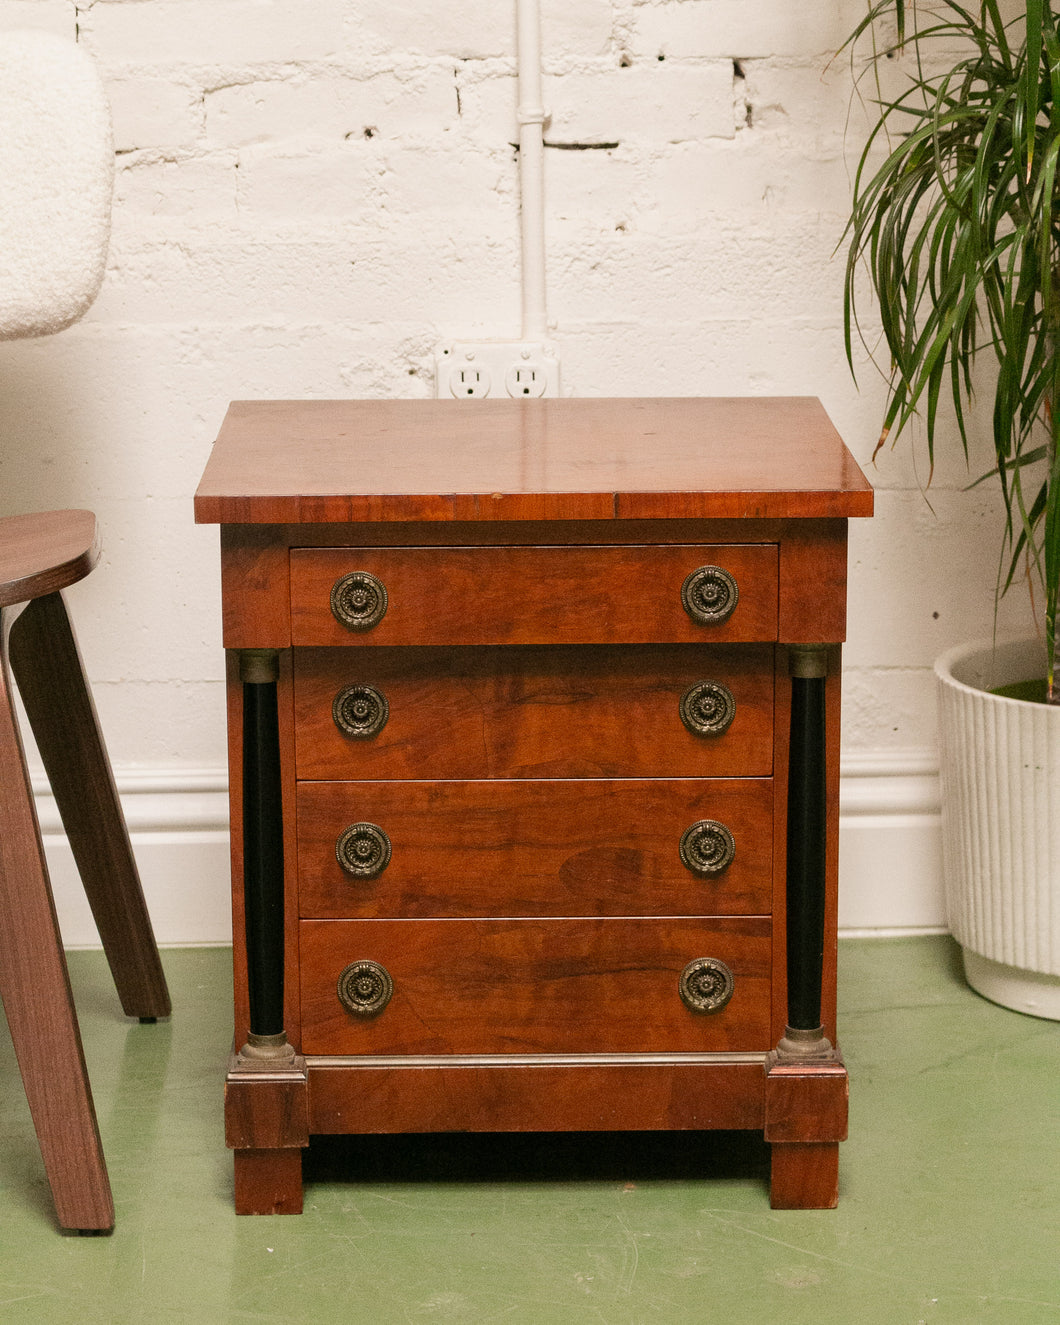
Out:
{"x": 534, "y": 735}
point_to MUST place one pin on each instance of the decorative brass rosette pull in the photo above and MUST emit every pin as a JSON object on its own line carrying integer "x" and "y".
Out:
{"x": 365, "y": 988}
{"x": 709, "y": 595}
{"x": 360, "y": 711}
{"x": 358, "y": 600}
{"x": 708, "y": 708}
{"x": 706, "y": 985}
{"x": 363, "y": 851}
{"x": 707, "y": 847}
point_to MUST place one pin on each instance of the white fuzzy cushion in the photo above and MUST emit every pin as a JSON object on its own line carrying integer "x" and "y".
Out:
{"x": 56, "y": 182}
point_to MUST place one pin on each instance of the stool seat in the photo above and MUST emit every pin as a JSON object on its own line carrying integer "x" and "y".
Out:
{"x": 40, "y": 555}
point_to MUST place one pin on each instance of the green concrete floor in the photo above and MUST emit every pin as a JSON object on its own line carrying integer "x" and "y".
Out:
{"x": 949, "y": 1209}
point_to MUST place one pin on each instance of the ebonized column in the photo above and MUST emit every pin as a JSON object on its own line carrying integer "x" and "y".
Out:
{"x": 263, "y": 854}
{"x": 806, "y": 850}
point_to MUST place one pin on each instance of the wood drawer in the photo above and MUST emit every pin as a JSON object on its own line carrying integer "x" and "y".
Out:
{"x": 569, "y": 712}
{"x": 535, "y": 848}
{"x": 534, "y": 986}
{"x": 533, "y": 595}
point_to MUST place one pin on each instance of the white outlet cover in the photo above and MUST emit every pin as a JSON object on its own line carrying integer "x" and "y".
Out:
{"x": 497, "y": 369}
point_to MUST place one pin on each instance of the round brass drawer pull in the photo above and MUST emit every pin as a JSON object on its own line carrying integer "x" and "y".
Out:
{"x": 706, "y": 985}
{"x": 363, "y": 850}
{"x": 365, "y": 988}
{"x": 707, "y": 847}
{"x": 708, "y": 708}
{"x": 709, "y": 595}
{"x": 360, "y": 711}
{"x": 358, "y": 601}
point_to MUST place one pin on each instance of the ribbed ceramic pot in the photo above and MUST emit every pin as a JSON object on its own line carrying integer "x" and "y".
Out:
{"x": 1000, "y": 776}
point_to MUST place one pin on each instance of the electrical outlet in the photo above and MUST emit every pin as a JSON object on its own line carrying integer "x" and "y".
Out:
{"x": 525, "y": 379}
{"x": 514, "y": 369}
{"x": 469, "y": 381}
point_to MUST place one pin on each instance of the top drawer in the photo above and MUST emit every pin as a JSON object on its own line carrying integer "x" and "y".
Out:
{"x": 687, "y": 593}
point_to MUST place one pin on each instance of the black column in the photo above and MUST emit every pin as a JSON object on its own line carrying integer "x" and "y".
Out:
{"x": 807, "y": 834}
{"x": 262, "y": 842}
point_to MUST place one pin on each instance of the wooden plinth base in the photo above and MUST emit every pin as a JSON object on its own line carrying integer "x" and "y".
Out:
{"x": 801, "y": 1107}
{"x": 267, "y": 1126}
{"x": 268, "y": 1182}
{"x": 806, "y": 1118}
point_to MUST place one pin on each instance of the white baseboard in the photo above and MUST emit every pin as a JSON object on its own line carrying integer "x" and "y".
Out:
{"x": 889, "y": 844}
{"x": 178, "y": 823}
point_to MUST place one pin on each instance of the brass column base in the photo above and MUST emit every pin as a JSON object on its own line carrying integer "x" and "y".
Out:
{"x": 265, "y": 1051}
{"x": 805, "y": 1046}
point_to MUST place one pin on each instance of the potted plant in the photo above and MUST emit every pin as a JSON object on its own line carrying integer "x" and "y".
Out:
{"x": 959, "y": 229}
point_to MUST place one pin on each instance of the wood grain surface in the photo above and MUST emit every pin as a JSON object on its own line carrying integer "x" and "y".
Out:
{"x": 535, "y": 848}
{"x": 534, "y": 986}
{"x": 381, "y": 460}
{"x": 45, "y": 552}
{"x": 47, "y": 664}
{"x": 534, "y": 595}
{"x": 596, "y": 1097}
{"x": 36, "y": 994}
{"x": 534, "y": 712}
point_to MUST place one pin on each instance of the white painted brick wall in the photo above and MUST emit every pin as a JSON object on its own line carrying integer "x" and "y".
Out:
{"x": 312, "y": 195}
{"x": 168, "y": 34}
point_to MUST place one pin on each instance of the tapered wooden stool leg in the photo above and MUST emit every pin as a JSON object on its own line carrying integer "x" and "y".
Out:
{"x": 35, "y": 989}
{"x": 51, "y": 681}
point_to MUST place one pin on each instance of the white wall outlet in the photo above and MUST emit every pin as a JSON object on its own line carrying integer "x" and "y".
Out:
{"x": 502, "y": 369}
{"x": 526, "y": 379}
{"x": 469, "y": 380}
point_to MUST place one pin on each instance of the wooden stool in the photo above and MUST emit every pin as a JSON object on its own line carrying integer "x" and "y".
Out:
{"x": 39, "y": 556}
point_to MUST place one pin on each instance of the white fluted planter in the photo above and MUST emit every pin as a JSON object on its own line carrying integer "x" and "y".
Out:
{"x": 1000, "y": 782}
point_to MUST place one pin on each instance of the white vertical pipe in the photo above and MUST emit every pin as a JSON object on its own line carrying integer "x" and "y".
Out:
{"x": 531, "y": 117}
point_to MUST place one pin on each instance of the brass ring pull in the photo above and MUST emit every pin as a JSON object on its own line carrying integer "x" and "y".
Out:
{"x": 706, "y": 985}
{"x": 709, "y": 595}
{"x": 358, "y": 601}
{"x": 365, "y": 988}
{"x": 360, "y": 711}
{"x": 363, "y": 851}
{"x": 708, "y": 708}
{"x": 707, "y": 847}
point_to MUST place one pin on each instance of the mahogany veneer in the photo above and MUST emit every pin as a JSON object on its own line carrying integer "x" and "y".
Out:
{"x": 483, "y": 911}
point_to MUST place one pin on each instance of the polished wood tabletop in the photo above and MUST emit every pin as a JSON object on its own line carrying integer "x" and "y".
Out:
{"x": 325, "y": 461}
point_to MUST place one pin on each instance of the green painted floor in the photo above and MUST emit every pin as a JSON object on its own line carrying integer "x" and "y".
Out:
{"x": 949, "y": 1208}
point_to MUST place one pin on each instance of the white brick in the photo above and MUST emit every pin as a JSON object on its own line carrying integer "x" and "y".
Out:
{"x": 191, "y": 186}
{"x": 337, "y": 272}
{"x": 570, "y": 31}
{"x": 800, "y": 99}
{"x": 684, "y": 29}
{"x": 602, "y": 185}
{"x": 681, "y": 355}
{"x": 659, "y": 103}
{"x": 734, "y": 269}
{"x": 461, "y": 28}
{"x": 488, "y": 104}
{"x": 886, "y": 708}
{"x": 691, "y": 181}
{"x": 422, "y": 181}
{"x": 56, "y": 16}
{"x": 333, "y": 182}
{"x": 212, "y": 32}
{"x": 933, "y": 569}
{"x": 326, "y": 106}
{"x": 153, "y": 112}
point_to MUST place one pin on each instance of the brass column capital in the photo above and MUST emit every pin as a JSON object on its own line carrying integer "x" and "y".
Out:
{"x": 808, "y": 661}
{"x": 259, "y": 666}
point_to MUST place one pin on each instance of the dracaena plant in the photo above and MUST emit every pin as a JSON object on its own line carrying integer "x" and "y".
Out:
{"x": 959, "y": 230}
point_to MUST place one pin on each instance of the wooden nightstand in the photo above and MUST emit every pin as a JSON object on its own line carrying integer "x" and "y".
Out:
{"x": 534, "y": 735}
